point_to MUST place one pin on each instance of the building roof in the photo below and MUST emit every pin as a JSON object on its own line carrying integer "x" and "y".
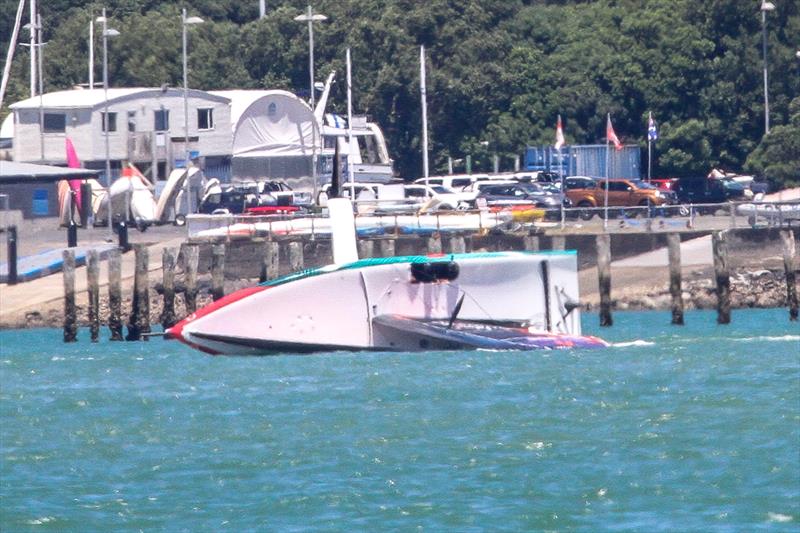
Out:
{"x": 13, "y": 172}
{"x": 241, "y": 99}
{"x": 91, "y": 98}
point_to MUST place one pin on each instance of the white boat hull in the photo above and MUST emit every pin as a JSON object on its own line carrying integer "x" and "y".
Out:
{"x": 340, "y": 307}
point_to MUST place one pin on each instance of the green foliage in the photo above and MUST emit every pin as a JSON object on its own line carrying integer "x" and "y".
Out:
{"x": 778, "y": 155}
{"x": 499, "y": 71}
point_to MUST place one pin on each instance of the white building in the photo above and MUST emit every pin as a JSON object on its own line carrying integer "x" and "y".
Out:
{"x": 145, "y": 127}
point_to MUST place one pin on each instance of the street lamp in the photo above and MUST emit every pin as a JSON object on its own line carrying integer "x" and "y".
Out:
{"x": 107, "y": 32}
{"x": 765, "y": 6}
{"x": 186, "y": 21}
{"x": 311, "y": 18}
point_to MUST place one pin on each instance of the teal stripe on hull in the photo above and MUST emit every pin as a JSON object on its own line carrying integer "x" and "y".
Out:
{"x": 376, "y": 261}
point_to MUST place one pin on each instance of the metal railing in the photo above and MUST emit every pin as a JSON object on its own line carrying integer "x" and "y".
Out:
{"x": 579, "y": 220}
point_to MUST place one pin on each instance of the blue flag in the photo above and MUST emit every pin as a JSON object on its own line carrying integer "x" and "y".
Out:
{"x": 652, "y": 131}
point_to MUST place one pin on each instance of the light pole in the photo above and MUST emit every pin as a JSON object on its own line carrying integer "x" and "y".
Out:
{"x": 186, "y": 21}
{"x": 107, "y": 32}
{"x": 765, "y": 6}
{"x": 311, "y": 18}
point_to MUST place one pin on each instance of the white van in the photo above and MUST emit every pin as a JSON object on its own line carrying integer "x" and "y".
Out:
{"x": 453, "y": 181}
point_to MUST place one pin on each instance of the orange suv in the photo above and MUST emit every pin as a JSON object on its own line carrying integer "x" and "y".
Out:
{"x": 589, "y": 194}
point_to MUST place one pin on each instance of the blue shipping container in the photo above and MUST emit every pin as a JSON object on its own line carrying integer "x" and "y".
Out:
{"x": 586, "y": 160}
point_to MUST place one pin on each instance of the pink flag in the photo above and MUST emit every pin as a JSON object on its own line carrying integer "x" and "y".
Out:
{"x": 559, "y": 134}
{"x": 74, "y": 162}
{"x": 611, "y": 137}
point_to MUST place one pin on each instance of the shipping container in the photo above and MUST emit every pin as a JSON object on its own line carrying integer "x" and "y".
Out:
{"x": 586, "y": 160}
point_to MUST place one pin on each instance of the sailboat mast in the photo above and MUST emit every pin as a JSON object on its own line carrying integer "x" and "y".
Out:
{"x": 349, "y": 122}
{"x": 10, "y": 55}
{"x": 33, "y": 47}
{"x": 423, "y": 91}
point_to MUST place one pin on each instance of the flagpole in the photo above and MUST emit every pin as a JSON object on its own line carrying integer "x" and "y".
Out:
{"x": 561, "y": 175}
{"x": 649, "y": 146}
{"x": 605, "y": 193}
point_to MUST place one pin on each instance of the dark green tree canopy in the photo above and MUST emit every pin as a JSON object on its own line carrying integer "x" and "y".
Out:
{"x": 499, "y": 71}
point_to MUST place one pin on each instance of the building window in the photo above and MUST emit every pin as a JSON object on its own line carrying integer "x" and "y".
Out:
{"x": 112, "y": 122}
{"x": 55, "y": 122}
{"x": 131, "y": 121}
{"x": 205, "y": 119}
{"x": 162, "y": 120}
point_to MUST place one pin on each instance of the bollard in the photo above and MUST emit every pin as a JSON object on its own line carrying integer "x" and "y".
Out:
{"x": 93, "y": 289}
{"x": 217, "y": 271}
{"x": 86, "y": 204}
{"x": 531, "y": 243}
{"x": 168, "y": 283}
{"x": 722, "y": 275}
{"x": 366, "y": 248}
{"x": 387, "y": 247}
{"x": 270, "y": 261}
{"x": 70, "y": 318}
{"x": 604, "y": 277}
{"x": 115, "y": 294}
{"x": 435, "y": 244}
{"x": 11, "y": 242}
{"x": 558, "y": 242}
{"x": 295, "y": 256}
{"x": 122, "y": 234}
{"x": 457, "y": 244}
{"x": 191, "y": 257}
{"x": 789, "y": 251}
{"x": 72, "y": 234}
{"x": 139, "y": 322}
{"x": 675, "y": 289}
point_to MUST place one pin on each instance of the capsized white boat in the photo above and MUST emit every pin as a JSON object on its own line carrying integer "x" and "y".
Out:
{"x": 503, "y": 300}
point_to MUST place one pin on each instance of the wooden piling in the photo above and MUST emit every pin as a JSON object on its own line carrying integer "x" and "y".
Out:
{"x": 93, "y": 289}
{"x": 387, "y": 247}
{"x": 366, "y": 248}
{"x": 139, "y": 322}
{"x": 675, "y": 288}
{"x": 457, "y": 244}
{"x": 270, "y": 261}
{"x": 435, "y": 244}
{"x": 722, "y": 275}
{"x": 296, "y": 261}
{"x": 191, "y": 257}
{"x": 558, "y": 242}
{"x": 530, "y": 243}
{"x": 217, "y": 271}
{"x": 789, "y": 257}
{"x": 70, "y": 318}
{"x": 115, "y": 294}
{"x": 604, "y": 277}
{"x": 168, "y": 284}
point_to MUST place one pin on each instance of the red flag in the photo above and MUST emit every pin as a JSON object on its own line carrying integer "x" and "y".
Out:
{"x": 559, "y": 134}
{"x": 611, "y": 137}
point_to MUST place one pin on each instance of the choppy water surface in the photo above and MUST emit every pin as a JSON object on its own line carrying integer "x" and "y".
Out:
{"x": 673, "y": 429}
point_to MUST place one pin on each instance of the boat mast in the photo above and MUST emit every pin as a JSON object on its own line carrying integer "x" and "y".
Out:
{"x": 349, "y": 123}
{"x": 422, "y": 91}
{"x": 12, "y": 44}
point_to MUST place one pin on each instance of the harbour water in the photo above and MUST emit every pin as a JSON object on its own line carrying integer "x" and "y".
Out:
{"x": 693, "y": 428}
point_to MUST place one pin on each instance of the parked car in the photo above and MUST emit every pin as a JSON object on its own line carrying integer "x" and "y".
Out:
{"x": 702, "y": 190}
{"x": 513, "y": 194}
{"x": 447, "y": 198}
{"x": 590, "y": 194}
{"x": 452, "y": 181}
